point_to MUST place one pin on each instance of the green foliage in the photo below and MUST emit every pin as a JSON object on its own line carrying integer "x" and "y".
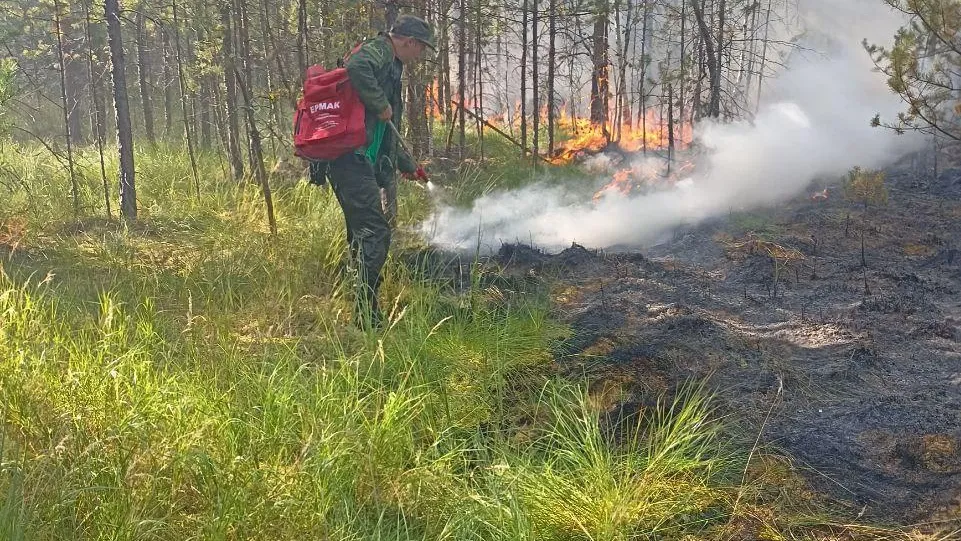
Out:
{"x": 762, "y": 224}
{"x": 7, "y": 88}
{"x": 866, "y": 187}
{"x": 191, "y": 376}
{"x": 920, "y": 67}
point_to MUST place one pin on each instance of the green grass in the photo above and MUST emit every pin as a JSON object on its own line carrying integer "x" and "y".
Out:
{"x": 761, "y": 223}
{"x": 191, "y": 377}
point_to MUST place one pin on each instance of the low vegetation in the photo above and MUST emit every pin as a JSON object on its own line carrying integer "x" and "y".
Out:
{"x": 193, "y": 377}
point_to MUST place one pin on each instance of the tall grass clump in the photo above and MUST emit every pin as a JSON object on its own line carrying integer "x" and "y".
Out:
{"x": 190, "y": 376}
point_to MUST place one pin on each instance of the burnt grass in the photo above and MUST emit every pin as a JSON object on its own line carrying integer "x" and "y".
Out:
{"x": 857, "y": 369}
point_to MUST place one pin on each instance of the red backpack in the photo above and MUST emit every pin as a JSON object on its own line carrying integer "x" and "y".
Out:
{"x": 329, "y": 121}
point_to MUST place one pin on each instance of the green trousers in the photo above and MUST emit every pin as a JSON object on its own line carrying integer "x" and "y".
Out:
{"x": 368, "y": 231}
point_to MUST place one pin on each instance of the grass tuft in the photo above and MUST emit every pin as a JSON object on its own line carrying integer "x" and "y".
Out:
{"x": 190, "y": 376}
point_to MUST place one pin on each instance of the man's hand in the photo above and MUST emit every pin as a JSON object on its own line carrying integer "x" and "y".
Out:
{"x": 419, "y": 175}
{"x": 387, "y": 113}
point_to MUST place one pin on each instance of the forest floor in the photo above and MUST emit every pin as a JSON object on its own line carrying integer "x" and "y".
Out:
{"x": 852, "y": 372}
{"x": 193, "y": 375}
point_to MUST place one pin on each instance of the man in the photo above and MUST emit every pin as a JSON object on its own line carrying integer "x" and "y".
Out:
{"x": 375, "y": 71}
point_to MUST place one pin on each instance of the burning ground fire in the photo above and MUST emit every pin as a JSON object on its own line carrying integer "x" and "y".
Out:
{"x": 589, "y": 141}
{"x": 810, "y": 125}
{"x": 645, "y": 175}
{"x": 589, "y": 138}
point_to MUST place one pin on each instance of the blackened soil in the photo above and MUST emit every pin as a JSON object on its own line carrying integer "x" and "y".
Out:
{"x": 860, "y": 366}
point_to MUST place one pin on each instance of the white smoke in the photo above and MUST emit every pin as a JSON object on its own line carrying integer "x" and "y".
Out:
{"x": 815, "y": 122}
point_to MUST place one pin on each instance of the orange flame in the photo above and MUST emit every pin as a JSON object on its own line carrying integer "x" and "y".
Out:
{"x": 433, "y": 104}
{"x": 623, "y": 183}
{"x": 586, "y": 137}
{"x": 592, "y": 138}
{"x": 644, "y": 175}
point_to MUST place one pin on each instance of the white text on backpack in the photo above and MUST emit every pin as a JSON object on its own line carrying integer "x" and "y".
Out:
{"x": 325, "y": 106}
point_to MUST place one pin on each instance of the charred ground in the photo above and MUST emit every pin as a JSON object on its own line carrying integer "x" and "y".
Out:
{"x": 859, "y": 366}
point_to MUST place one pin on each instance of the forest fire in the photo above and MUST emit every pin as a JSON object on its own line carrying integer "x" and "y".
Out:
{"x": 623, "y": 183}
{"x": 589, "y": 139}
{"x": 645, "y": 175}
{"x": 648, "y": 133}
{"x": 644, "y": 133}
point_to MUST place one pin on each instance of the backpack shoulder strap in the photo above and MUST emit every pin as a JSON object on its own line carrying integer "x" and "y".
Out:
{"x": 341, "y": 62}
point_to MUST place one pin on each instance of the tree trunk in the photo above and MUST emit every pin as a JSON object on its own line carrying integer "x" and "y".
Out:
{"x": 273, "y": 119}
{"x": 303, "y": 58}
{"x": 167, "y": 85}
{"x": 670, "y": 127}
{"x": 97, "y": 128}
{"x": 186, "y": 55}
{"x": 504, "y": 70}
{"x": 721, "y": 48}
{"x": 417, "y": 106}
{"x": 74, "y": 187}
{"x": 615, "y": 118}
{"x": 624, "y": 112}
{"x": 431, "y": 80}
{"x": 462, "y": 75}
{"x": 246, "y": 66}
{"x": 600, "y": 77}
{"x": 681, "y": 67}
{"x": 326, "y": 39}
{"x": 642, "y": 93}
{"x": 696, "y": 105}
{"x": 524, "y": 76}
{"x": 275, "y": 53}
{"x": 128, "y": 192}
{"x": 752, "y": 52}
{"x": 713, "y": 61}
{"x": 218, "y": 113}
{"x": 725, "y": 46}
{"x": 418, "y": 81}
{"x": 205, "y": 121}
{"x": 479, "y": 76}
{"x": 73, "y": 72}
{"x": 183, "y": 100}
{"x": 572, "y": 92}
{"x": 535, "y": 86}
{"x": 391, "y": 11}
{"x": 551, "y": 60}
{"x": 444, "y": 91}
{"x": 230, "y": 101}
{"x": 256, "y": 152}
{"x": 97, "y": 69}
{"x": 143, "y": 68}
{"x": 760, "y": 70}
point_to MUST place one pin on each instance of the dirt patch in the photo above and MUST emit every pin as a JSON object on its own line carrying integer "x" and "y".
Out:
{"x": 859, "y": 364}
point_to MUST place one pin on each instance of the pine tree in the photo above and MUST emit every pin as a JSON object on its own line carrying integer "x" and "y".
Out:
{"x": 128, "y": 187}
{"x": 921, "y": 67}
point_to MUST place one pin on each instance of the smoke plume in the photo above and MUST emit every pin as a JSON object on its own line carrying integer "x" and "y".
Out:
{"x": 814, "y": 121}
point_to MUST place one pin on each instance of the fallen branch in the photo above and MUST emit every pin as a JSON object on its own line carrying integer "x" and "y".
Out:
{"x": 500, "y": 132}
{"x": 40, "y": 140}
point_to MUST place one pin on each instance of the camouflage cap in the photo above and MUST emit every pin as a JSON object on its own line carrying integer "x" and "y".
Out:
{"x": 414, "y": 27}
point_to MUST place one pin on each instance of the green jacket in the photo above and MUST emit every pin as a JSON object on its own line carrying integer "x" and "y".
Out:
{"x": 376, "y": 76}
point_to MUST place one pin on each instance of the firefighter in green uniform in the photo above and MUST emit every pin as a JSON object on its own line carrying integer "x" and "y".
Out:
{"x": 357, "y": 178}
